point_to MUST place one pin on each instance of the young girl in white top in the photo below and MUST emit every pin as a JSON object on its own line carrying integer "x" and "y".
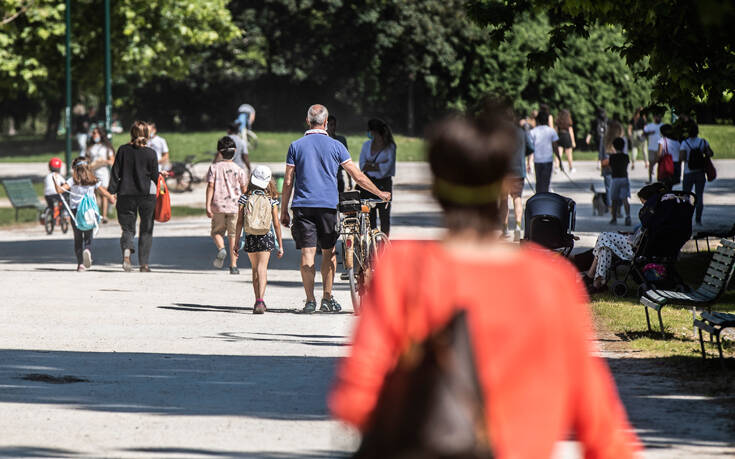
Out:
{"x": 83, "y": 182}
{"x": 259, "y": 247}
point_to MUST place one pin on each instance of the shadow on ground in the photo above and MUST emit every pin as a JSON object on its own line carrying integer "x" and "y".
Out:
{"x": 273, "y": 387}
{"x": 30, "y": 451}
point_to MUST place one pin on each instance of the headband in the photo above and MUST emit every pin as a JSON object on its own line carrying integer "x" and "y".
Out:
{"x": 466, "y": 195}
{"x": 81, "y": 163}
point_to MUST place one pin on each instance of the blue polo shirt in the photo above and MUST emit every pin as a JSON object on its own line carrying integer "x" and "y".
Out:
{"x": 316, "y": 158}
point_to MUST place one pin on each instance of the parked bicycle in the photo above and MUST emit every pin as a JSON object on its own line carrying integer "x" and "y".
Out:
{"x": 55, "y": 216}
{"x": 183, "y": 174}
{"x": 361, "y": 244}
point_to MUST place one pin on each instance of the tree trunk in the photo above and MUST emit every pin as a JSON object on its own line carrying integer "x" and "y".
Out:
{"x": 410, "y": 121}
{"x": 54, "y": 117}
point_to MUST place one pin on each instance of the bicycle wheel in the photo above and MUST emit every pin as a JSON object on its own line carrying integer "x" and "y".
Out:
{"x": 64, "y": 223}
{"x": 349, "y": 265}
{"x": 48, "y": 222}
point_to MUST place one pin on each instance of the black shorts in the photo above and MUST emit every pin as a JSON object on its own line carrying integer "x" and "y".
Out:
{"x": 314, "y": 224}
{"x": 565, "y": 140}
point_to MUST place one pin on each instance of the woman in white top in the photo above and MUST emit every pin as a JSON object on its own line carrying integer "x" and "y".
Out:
{"x": 101, "y": 157}
{"x": 378, "y": 161}
{"x": 694, "y": 152}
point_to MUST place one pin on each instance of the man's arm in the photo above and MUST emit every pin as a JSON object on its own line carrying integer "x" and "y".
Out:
{"x": 363, "y": 181}
{"x": 286, "y": 195}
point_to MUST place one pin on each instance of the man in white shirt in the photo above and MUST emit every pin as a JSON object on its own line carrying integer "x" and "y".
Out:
{"x": 159, "y": 145}
{"x": 652, "y": 131}
{"x": 545, "y": 140}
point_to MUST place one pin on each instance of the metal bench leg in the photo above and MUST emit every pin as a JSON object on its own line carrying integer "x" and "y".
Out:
{"x": 661, "y": 323}
{"x": 696, "y": 243}
{"x": 701, "y": 344}
{"x": 708, "y": 249}
{"x": 648, "y": 320}
{"x": 719, "y": 344}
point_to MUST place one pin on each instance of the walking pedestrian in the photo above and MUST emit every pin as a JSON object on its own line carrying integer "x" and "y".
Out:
{"x": 421, "y": 287}
{"x": 311, "y": 174}
{"x": 101, "y": 157}
{"x": 567, "y": 143}
{"x": 332, "y": 131}
{"x": 241, "y": 158}
{"x": 669, "y": 145}
{"x": 245, "y": 119}
{"x": 652, "y": 132}
{"x": 636, "y": 138}
{"x": 82, "y": 183}
{"x": 694, "y": 152}
{"x": 545, "y": 142}
{"x": 160, "y": 146}
{"x": 226, "y": 182}
{"x": 259, "y": 246}
{"x": 619, "y": 185}
{"x": 514, "y": 185}
{"x": 133, "y": 177}
{"x": 378, "y": 162}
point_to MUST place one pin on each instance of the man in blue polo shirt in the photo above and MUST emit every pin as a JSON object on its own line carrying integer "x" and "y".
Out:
{"x": 311, "y": 174}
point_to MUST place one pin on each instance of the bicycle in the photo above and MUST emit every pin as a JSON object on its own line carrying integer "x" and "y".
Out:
{"x": 55, "y": 216}
{"x": 362, "y": 244}
{"x": 183, "y": 172}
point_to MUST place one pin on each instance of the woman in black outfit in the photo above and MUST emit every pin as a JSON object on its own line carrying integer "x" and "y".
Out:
{"x": 134, "y": 179}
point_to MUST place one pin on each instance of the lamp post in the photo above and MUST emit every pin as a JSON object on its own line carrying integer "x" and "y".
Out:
{"x": 108, "y": 73}
{"x": 67, "y": 112}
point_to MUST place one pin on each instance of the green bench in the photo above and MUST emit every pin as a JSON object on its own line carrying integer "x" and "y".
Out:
{"x": 22, "y": 195}
{"x": 718, "y": 275}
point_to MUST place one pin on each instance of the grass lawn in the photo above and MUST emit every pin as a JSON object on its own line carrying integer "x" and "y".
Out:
{"x": 7, "y": 214}
{"x": 626, "y": 318}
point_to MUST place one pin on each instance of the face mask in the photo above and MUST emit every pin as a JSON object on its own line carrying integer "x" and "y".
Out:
{"x": 96, "y": 139}
{"x": 370, "y": 135}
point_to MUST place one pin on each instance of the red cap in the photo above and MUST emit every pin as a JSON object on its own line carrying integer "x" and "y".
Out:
{"x": 55, "y": 163}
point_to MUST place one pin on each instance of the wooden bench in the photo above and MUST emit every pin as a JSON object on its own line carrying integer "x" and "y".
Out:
{"x": 22, "y": 195}
{"x": 706, "y": 235}
{"x": 718, "y": 275}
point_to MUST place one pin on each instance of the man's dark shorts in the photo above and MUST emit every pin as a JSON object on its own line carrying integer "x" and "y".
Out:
{"x": 312, "y": 224}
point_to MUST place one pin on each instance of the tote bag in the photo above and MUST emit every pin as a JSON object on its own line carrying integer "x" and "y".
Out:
{"x": 163, "y": 201}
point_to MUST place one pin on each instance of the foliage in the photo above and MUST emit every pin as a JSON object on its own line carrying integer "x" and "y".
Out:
{"x": 690, "y": 43}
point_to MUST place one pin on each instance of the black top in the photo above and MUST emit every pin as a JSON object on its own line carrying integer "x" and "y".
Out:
{"x": 619, "y": 165}
{"x": 133, "y": 171}
{"x": 638, "y": 124}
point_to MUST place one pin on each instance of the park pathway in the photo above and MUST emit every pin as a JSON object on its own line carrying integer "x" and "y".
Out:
{"x": 174, "y": 364}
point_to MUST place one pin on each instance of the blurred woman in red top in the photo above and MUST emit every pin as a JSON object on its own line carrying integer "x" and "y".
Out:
{"x": 527, "y": 311}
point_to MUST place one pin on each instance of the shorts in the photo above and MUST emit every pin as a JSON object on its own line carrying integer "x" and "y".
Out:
{"x": 314, "y": 224}
{"x": 260, "y": 243}
{"x": 652, "y": 154}
{"x": 224, "y": 224}
{"x": 565, "y": 140}
{"x": 619, "y": 189}
{"x": 516, "y": 187}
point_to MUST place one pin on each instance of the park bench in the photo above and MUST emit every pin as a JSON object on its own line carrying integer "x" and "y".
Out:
{"x": 706, "y": 235}
{"x": 718, "y": 275}
{"x": 22, "y": 195}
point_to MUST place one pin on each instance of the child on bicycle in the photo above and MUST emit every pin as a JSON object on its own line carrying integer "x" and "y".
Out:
{"x": 82, "y": 183}
{"x": 261, "y": 192}
{"x": 49, "y": 189}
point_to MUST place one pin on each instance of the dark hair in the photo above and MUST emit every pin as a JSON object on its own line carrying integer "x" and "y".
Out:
{"x": 382, "y": 128}
{"x": 542, "y": 118}
{"x": 667, "y": 131}
{"x": 692, "y": 129}
{"x": 226, "y": 147}
{"x": 648, "y": 191}
{"x": 618, "y": 143}
{"x": 469, "y": 159}
{"x": 564, "y": 119}
{"x": 83, "y": 174}
{"x": 600, "y": 112}
{"x": 331, "y": 118}
{"x": 139, "y": 134}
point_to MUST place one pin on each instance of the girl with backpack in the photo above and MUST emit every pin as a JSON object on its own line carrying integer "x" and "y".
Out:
{"x": 81, "y": 188}
{"x": 258, "y": 216}
{"x": 694, "y": 153}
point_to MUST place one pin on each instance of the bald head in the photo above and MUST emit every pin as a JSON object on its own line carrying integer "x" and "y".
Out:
{"x": 317, "y": 116}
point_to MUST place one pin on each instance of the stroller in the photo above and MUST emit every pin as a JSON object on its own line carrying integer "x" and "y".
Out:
{"x": 665, "y": 231}
{"x": 550, "y": 220}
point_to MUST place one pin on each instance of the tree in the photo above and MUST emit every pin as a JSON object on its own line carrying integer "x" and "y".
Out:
{"x": 689, "y": 44}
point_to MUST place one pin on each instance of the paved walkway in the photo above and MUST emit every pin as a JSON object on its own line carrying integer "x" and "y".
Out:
{"x": 176, "y": 365}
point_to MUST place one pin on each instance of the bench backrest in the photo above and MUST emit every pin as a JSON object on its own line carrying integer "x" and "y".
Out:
{"x": 21, "y": 192}
{"x": 720, "y": 270}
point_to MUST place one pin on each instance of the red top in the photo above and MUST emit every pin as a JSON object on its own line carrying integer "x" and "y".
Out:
{"x": 532, "y": 337}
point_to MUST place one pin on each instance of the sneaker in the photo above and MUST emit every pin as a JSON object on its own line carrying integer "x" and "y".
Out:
{"x": 234, "y": 270}
{"x": 309, "y": 307}
{"x": 517, "y": 235}
{"x": 329, "y": 305}
{"x": 219, "y": 260}
{"x": 81, "y": 268}
{"x": 345, "y": 276}
{"x": 573, "y": 170}
{"x": 145, "y": 269}
{"x": 259, "y": 307}
{"x": 127, "y": 265}
{"x": 613, "y": 221}
{"x": 627, "y": 221}
{"x": 87, "y": 257}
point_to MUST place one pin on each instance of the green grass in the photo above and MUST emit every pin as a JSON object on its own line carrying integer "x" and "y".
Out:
{"x": 26, "y": 216}
{"x": 626, "y": 318}
{"x": 721, "y": 138}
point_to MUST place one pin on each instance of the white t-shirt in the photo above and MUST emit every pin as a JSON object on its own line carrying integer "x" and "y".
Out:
{"x": 672, "y": 146}
{"x": 48, "y": 183}
{"x": 542, "y": 137}
{"x": 689, "y": 145}
{"x": 77, "y": 192}
{"x": 654, "y": 129}
{"x": 160, "y": 146}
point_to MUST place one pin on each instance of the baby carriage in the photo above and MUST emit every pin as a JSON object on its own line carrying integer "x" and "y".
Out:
{"x": 667, "y": 226}
{"x": 550, "y": 220}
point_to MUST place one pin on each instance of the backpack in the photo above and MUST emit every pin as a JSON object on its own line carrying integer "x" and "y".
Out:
{"x": 665, "y": 165}
{"x": 88, "y": 214}
{"x": 258, "y": 214}
{"x": 695, "y": 159}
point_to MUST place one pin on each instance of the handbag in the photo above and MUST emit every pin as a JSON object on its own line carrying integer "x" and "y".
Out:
{"x": 665, "y": 165}
{"x": 431, "y": 404}
{"x": 163, "y": 202}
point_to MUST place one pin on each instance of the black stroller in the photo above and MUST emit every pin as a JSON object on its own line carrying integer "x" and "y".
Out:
{"x": 550, "y": 220}
{"x": 667, "y": 226}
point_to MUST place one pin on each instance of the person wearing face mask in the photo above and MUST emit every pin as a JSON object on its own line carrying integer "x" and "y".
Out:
{"x": 378, "y": 162}
{"x": 101, "y": 157}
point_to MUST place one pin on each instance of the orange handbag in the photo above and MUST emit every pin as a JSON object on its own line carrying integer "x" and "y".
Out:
{"x": 163, "y": 201}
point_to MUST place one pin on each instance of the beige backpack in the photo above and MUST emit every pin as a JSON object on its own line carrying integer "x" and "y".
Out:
{"x": 258, "y": 214}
